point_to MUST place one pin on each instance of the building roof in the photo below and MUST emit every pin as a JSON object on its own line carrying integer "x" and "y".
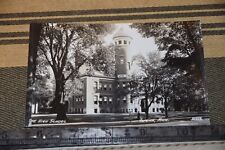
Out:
{"x": 121, "y": 33}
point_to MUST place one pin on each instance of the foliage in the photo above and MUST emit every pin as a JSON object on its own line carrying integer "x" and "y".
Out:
{"x": 145, "y": 83}
{"x": 181, "y": 78}
{"x": 104, "y": 60}
{"x": 66, "y": 48}
{"x": 180, "y": 40}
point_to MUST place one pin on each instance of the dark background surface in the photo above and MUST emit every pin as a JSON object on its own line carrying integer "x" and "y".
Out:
{"x": 14, "y": 40}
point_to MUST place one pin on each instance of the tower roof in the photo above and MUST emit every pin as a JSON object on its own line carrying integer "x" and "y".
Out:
{"x": 121, "y": 33}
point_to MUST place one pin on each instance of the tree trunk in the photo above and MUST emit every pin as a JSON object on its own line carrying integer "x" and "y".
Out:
{"x": 146, "y": 113}
{"x": 146, "y": 107}
{"x": 58, "y": 107}
{"x": 166, "y": 108}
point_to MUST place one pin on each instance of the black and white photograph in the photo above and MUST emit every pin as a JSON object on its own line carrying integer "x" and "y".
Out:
{"x": 118, "y": 74}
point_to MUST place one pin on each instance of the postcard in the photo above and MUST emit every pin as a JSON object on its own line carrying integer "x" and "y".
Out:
{"x": 118, "y": 74}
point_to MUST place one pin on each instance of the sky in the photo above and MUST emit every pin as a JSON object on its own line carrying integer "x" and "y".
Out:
{"x": 139, "y": 45}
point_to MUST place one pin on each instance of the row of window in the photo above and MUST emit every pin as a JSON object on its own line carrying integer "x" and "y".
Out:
{"x": 109, "y": 99}
{"x": 102, "y": 102}
{"x": 128, "y": 110}
{"x": 156, "y": 110}
{"x": 108, "y": 86}
{"x": 126, "y": 85}
{"x": 124, "y": 99}
{"x": 77, "y": 99}
{"x": 103, "y": 86}
{"x": 102, "y": 98}
{"x": 120, "y": 111}
{"x": 122, "y": 42}
{"x": 123, "y": 85}
{"x": 77, "y": 110}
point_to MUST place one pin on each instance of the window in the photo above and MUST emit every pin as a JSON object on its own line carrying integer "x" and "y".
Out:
{"x": 110, "y": 99}
{"x": 124, "y": 84}
{"x": 96, "y": 85}
{"x": 121, "y": 61}
{"x": 124, "y": 98}
{"x": 157, "y": 109}
{"x": 100, "y": 85}
{"x": 162, "y": 102}
{"x": 96, "y": 99}
{"x": 95, "y": 110}
{"x": 118, "y": 85}
{"x": 128, "y": 65}
{"x": 110, "y": 86}
{"x": 125, "y": 42}
{"x": 131, "y": 100}
{"x": 105, "y": 87}
{"x": 120, "y": 42}
{"x": 153, "y": 109}
{"x": 105, "y": 98}
{"x": 100, "y": 98}
{"x": 135, "y": 109}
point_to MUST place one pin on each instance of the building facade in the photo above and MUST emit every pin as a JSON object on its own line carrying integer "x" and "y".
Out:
{"x": 102, "y": 94}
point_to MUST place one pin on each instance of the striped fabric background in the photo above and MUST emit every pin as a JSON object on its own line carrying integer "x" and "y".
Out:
{"x": 15, "y": 17}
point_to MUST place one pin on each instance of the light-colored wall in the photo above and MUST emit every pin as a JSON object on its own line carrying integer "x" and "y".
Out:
{"x": 89, "y": 92}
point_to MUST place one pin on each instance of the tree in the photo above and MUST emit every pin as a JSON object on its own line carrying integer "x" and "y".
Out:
{"x": 189, "y": 94}
{"x": 104, "y": 60}
{"x": 67, "y": 47}
{"x": 145, "y": 83}
{"x": 181, "y": 42}
{"x": 168, "y": 77}
{"x": 42, "y": 85}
